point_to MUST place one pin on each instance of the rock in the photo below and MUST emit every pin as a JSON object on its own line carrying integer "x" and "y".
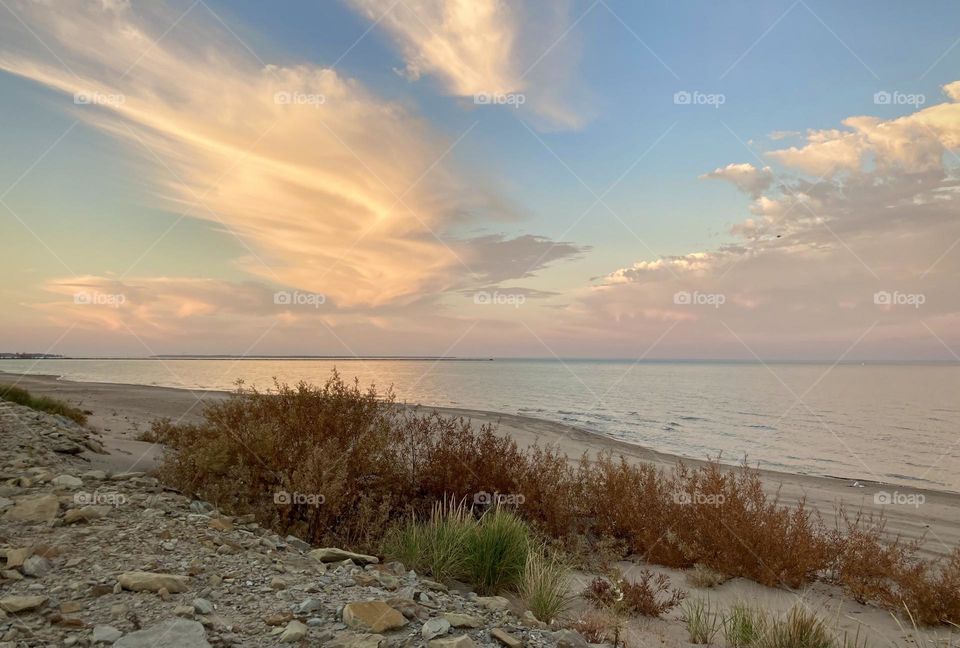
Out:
{"x": 15, "y": 557}
{"x": 372, "y": 616}
{"x": 297, "y": 543}
{"x": 309, "y": 605}
{"x": 569, "y": 639}
{"x": 36, "y": 566}
{"x": 459, "y": 641}
{"x": 354, "y": 640}
{"x": 33, "y": 510}
{"x": 181, "y": 633}
{"x": 94, "y": 474}
{"x": 71, "y": 607}
{"x": 153, "y": 582}
{"x": 295, "y": 631}
{"x": 85, "y": 514}
{"x": 202, "y": 606}
{"x": 463, "y": 620}
{"x": 278, "y": 618}
{"x": 532, "y": 621}
{"x": 124, "y": 476}
{"x": 493, "y": 603}
{"x": 67, "y": 481}
{"x": 505, "y": 638}
{"x": 16, "y": 604}
{"x": 408, "y": 608}
{"x": 332, "y": 554}
{"x": 221, "y": 524}
{"x": 185, "y": 611}
{"x": 105, "y": 634}
{"x": 434, "y": 628}
{"x": 277, "y": 583}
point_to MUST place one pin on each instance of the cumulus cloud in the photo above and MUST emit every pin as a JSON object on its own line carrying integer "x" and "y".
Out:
{"x": 913, "y": 143}
{"x": 745, "y": 177}
{"x": 332, "y": 188}
{"x": 819, "y": 266}
{"x": 487, "y": 47}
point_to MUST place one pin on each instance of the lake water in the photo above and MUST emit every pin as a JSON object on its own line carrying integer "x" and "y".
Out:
{"x": 891, "y": 423}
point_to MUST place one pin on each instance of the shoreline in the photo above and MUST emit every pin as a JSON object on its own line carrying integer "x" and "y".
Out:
{"x": 122, "y": 411}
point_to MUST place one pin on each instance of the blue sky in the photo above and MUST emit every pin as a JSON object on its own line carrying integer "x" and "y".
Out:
{"x": 102, "y": 207}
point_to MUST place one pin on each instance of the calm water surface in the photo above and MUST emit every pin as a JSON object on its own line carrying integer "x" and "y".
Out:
{"x": 892, "y": 423}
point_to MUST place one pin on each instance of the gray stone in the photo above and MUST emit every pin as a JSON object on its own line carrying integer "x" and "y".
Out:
{"x": 332, "y": 554}
{"x": 36, "y": 566}
{"x": 182, "y": 633}
{"x": 67, "y": 481}
{"x": 459, "y": 641}
{"x": 202, "y": 606}
{"x": 105, "y": 634}
{"x": 434, "y": 628}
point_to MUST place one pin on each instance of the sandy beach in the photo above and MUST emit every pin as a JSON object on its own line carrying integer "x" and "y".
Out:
{"x": 122, "y": 412}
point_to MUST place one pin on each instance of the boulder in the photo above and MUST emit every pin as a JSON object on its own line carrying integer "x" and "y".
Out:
{"x": 332, "y": 554}
{"x": 372, "y": 616}
{"x": 182, "y": 633}
{"x": 153, "y": 582}
{"x": 34, "y": 510}
{"x": 16, "y": 557}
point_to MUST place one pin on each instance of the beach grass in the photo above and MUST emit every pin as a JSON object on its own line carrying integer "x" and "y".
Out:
{"x": 41, "y": 403}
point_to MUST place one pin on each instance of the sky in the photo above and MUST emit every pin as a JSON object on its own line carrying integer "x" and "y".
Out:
{"x": 770, "y": 180}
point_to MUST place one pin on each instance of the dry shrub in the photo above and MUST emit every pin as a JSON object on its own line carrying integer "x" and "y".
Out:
{"x": 930, "y": 592}
{"x": 339, "y": 464}
{"x": 703, "y": 577}
{"x": 596, "y": 626}
{"x": 650, "y": 595}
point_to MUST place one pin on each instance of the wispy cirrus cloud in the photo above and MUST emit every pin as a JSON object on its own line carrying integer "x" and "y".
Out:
{"x": 488, "y": 47}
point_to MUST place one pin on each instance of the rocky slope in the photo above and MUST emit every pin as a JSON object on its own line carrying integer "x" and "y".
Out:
{"x": 97, "y": 559}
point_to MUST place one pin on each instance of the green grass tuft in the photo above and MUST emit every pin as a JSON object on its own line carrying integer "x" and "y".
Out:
{"x": 497, "y": 552}
{"x": 41, "y": 403}
{"x": 544, "y": 587}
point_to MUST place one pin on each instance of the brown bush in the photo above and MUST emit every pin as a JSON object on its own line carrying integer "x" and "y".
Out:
{"x": 650, "y": 595}
{"x": 338, "y": 464}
